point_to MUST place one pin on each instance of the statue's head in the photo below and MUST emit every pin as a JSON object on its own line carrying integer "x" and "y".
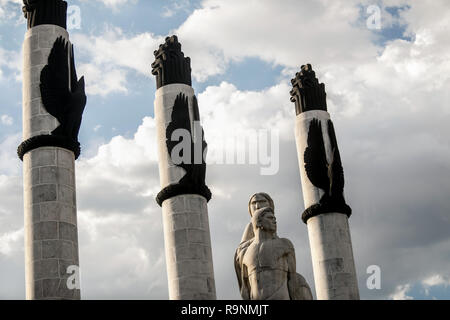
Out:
{"x": 260, "y": 200}
{"x": 264, "y": 219}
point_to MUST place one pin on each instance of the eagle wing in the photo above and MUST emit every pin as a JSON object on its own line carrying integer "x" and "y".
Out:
{"x": 196, "y": 115}
{"x": 76, "y": 86}
{"x": 316, "y": 165}
{"x": 73, "y": 73}
{"x": 55, "y": 80}
{"x": 179, "y": 120}
{"x": 337, "y": 184}
{"x": 199, "y": 169}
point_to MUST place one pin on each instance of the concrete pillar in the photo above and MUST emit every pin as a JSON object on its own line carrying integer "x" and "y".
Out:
{"x": 184, "y": 206}
{"x": 327, "y": 221}
{"x": 51, "y": 237}
{"x": 187, "y": 242}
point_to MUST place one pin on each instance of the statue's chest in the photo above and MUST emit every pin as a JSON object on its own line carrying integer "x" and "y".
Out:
{"x": 265, "y": 255}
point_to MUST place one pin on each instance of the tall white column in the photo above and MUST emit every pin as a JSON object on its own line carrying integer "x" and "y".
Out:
{"x": 50, "y": 214}
{"x": 184, "y": 206}
{"x": 327, "y": 220}
{"x": 51, "y": 237}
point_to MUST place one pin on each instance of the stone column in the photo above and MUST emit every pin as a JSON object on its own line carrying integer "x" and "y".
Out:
{"x": 322, "y": 177}
{"x": 51, "y": 237}
{"x": 184, "y": 195}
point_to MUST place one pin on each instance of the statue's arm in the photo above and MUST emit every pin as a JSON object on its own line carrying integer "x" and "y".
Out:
{"x": 297, "y": 285}
{"x": 248, "y": 233}
{"x": 292, "y": 274}
{"x": 241, "y": 270}
{"x": 245, "y": 289}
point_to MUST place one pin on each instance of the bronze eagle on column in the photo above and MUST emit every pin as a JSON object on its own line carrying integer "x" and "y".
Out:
{"x": 193, "y": 182}
{"x": 63, "y": 95}
{"x": 327, "y": 176}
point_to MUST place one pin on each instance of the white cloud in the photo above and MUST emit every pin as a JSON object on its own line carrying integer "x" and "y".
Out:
{"x": 288, "y": 35}
{"x": 9, "y": 9}
{"x": 436, "y": 280}
{"x": 115, "y": 4}
{"x": 102, "y": 81}
{"x": 126, "y": 234}
{"x": 401, "y": 293}
{"x": 106, "y": 59}
{"x": 9, "y": 161}
{"x": 258, "y": 34}
{"x": 12, "y": 62}
{"x": 174, "y": 7}
{"x": 7, "y": 120}
{"x": 10, "y": 241}
{"x": 226, "y": 109}
{"x": 5, "y": 2}
{"x": 118, "y": 48}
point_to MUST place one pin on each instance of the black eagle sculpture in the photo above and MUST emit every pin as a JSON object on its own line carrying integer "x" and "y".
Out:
{"x": 193, "y": 182}
{"x": 63, "y": 98}
{"x": 327, "y": 176}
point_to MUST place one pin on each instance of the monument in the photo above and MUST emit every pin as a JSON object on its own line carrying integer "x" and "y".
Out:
{"x": 257, "y": 201}
{"x": 322, "y": 176}
{"x": 265, "y": 264}
{"x": 182, "y": 169}
{"x": 53, "y": 103}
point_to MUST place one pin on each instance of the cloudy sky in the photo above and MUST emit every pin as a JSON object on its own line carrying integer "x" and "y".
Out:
{"x": 387, "y": 95}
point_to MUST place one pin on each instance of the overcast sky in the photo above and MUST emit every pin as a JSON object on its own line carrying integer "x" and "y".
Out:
{"x": 388, "y": 96}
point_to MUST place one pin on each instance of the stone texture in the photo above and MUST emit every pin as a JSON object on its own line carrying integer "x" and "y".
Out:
{"x": 42, "y": 124}
{"x": 332, "y": 256}
{"x": 188, "y": 250}
{"x": 66, "y": 194}
{"x": 50, "y": 288}
{"x": 47, "y": 268}
{"x": 57, "y": 249}
{"x": 329, "y": 234}
{"x": 44, "y": 193}
{"x": 65, "y": 159}
{"x": 46, "y": 230}
{"x": 67, "y": 231}
{"x": 50, "y": 211}
{"x": 51, "y": 241}
{"x": 46, "y": 157}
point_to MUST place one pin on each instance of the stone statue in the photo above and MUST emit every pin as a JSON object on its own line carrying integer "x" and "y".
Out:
{"x": 265, "y": 264}
{"x": 257, "y": 201}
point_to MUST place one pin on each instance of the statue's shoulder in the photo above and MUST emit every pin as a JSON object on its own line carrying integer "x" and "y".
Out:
{"x": 243, "y": 246}
{"x": 286, "y": 243}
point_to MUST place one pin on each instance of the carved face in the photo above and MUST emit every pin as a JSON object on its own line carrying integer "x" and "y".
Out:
{"x": 257, "y": 202}
{"x": 268, "y": 222}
